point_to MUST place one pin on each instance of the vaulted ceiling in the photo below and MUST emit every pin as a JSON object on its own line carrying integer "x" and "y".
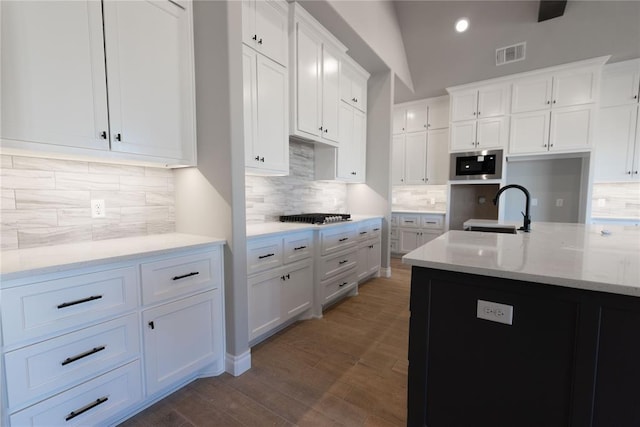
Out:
{"x": 438, "y": 57}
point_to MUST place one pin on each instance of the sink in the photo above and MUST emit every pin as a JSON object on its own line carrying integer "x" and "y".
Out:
{"x": 509, "y": 229}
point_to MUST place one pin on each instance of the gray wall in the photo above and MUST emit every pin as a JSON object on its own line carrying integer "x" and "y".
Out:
{"x": 547, "y": 180}
{"x": 210, "y": 198}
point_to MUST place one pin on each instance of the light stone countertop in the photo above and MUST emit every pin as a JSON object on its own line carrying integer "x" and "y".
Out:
{"x": 571, "y": 255}
{"x": 272, "y": 228}
{"x": 19, "y": 263}
{"x": 394, "y": 211}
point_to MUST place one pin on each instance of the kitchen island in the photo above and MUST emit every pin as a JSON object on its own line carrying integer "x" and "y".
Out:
{"x": 526, "y": 329}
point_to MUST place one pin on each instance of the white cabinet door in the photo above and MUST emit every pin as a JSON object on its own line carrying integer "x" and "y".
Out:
{"x": 529, "y": 132}
{"x": 264, "y": 302}
{"x": 374, "y": 256}
{"x": 271, "y": 30}
{"x": 491, "y": 133}
{"x": 531, "y": 94}
{"x": 574, "y": 87}
{"x": 399, "y": 124}
{"x": 308, "y": 69}
{"x": 409, "y": 240}
{"x": 464, "y": 105}
{"x": 416, "y": 118}
{"x": 415, "y": 160}
{"x": 249, "y": 35}
{"x": 438, "y": 115}
{"x": 571, "y": 128}
{"x": 397, "y": 160}
{"x": 620, "y": 85}
{"x": 353, "y": 88}
{"x": 149, "y": 56}
{"x": 615, "y": 140}
{"x": 359, "y": 93}
{"x": 53, "y": 76}
{"x": 265, "y": 113}
{"x": 463, "y": 135}
{"x": 492, "y": 101}
{"x": 330, "y": 94}
{"x": 352, "y": 150}
{"x": 181, "y": 337}
{"x": 438, "y": 156}
{"x": 297, "y": 289}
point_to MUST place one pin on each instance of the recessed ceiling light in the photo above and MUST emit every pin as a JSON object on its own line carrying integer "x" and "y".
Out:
{"x": 462, "y": 24}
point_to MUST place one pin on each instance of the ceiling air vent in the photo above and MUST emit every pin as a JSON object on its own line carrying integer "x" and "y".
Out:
{"x": 508, "y": 54}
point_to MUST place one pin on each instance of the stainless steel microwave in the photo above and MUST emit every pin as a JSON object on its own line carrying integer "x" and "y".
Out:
{"x": 476, "y": 165}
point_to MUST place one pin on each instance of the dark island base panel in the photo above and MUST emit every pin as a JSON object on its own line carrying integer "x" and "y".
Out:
{"x": 569, "y": 358}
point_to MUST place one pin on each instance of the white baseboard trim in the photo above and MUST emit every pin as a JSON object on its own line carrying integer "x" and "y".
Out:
{"x": 238, "y": 365}
{"x": 385, "y": 271}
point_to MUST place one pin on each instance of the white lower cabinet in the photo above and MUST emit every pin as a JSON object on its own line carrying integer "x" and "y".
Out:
{"x": 181, "y": 338}
{"x": 414, "y": 230}
{"x": 280, "y": 282}
{"x": 71, "y": 339}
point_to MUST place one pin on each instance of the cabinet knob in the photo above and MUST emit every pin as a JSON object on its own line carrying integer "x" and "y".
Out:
{"x": 353, "y": 173}
{"x": 320, "y": 128}
{"x": 635, "y": 97}
{"x": 544, "y": 145}
{"x": 257, "y": 159}
{"x": 548, "y": 102}
{"x": 262, "y": 159}
{"x": 401, "y": 179}
{"x": 636, "y": 172}
{"x": 554, "y": 101}
{"x": 326, "y": 131}
{"x": 628, "y": 172}
{"x": 474, "y": 113}
{"x": 255, "y": 37}
{"x": 103, "y": 134}
{"x": 550, "y": 145}
{"x": 478, "y": 112}
{"x": 260, "y": 41}
{"x": 118, "y": 137}
{"x": 473, "y": 143}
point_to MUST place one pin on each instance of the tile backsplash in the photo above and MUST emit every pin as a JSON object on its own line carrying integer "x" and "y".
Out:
{"x": 419, "y": 198}
{"x": 269, "y": 197}
{"x": 616, "y": 200}
{"x": 47, "y": 202}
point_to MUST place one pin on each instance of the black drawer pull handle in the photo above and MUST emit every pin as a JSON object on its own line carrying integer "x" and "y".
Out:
{"x": 84, "y": 409}
{"x": 344, "y": 261}
{"x": 193, "y": 273}
{"x": 80, "y": 301}
{"x": 82, "y": 355}
{"x": 431, "y": 222}
{"x": 408, "y": 222}
{"x": 265, "y": 256}
{"x": 363, "y": 232}
{"x": 343, "y": 284}
{"x": 376, "y": 229}
{"x": 299, "y": 247}
{"x": 343, "y": 239}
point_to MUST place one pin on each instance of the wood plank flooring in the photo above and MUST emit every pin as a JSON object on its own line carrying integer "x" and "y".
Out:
{"x": 347, "y": 369}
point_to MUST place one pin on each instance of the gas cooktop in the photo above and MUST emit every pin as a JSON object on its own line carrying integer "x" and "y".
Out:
{"x": 316, "y": 218}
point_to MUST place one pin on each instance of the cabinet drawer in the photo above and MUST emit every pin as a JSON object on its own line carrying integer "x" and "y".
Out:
{"x": 89, "y": 404}
{"x": 42, "y": 308}
{"x": 174, "y": 277}
{"x": 297, "y": 247}
{"x": 412, "y": 221}
{"x": 263, "y": 254}
{"x": 337, "y": 286}
{"x": 432, "y": 221}
{"x": 368, "y": 230}
{"x": 330, "y": 266}
{"x": 337, "y": 239}
{"x": 40, "y": 369}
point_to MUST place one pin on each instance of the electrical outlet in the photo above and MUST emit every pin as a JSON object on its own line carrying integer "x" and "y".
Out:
{"x": 495, "y": 312}
{"x": 433, "y": 201}
{"x": 98, "y": 209}
{"x": 559, "y": 203}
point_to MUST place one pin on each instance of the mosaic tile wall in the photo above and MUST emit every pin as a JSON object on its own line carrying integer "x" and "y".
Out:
{"x": 419, "y": 198}
{"x": 616, "y": 200}
{"x": 47, "y": 202}
{"x": 269, "y": 197}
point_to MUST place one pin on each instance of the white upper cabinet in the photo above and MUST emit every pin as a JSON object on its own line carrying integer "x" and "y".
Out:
{"x": 411, "y": 117}
{"x": 415, "y": 158}
{"x": 553, "y": 90}
{"x": 477, "y": 103}
{"x": 353, "y": 84}
{"x": 617, "y": 135}
{"x": 479, "y": 134}
{"x": 315, "y": 86}
{"x": 352, "y": 151}
{"x": 149, "y": 51}
{"x": 437, "y": 155}
{"x": 438, "y": 113}
{"x": 620, "y": 83}
{"x": 553, "y": 110}
{"x": 397, "y": 159}
{"x": 265, "y": 102}
{"x": 264, "y": 28}
{"x": 55, "y": 83}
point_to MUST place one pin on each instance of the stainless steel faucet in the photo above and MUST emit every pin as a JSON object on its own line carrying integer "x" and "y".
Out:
{"x": 526, "y": 227}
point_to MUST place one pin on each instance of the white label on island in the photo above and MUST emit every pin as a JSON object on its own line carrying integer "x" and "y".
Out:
{"x": 495, "y": 312}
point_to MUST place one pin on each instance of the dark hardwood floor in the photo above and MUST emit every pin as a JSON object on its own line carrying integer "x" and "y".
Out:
{"x": 347, "y": 369}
